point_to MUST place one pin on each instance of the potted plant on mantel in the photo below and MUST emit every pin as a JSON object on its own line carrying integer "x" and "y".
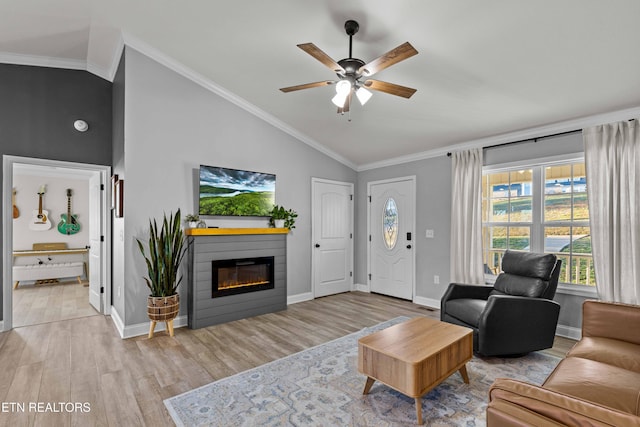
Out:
{"x": 282, "y": 218}
{"x": 166, "y": 250}
{"x": 192, "y": 220}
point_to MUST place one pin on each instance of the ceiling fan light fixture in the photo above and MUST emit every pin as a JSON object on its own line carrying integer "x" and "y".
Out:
{"x": 343, "y": 87}
{"x": 363, "y": 95}
{"x": 340, "y": 99}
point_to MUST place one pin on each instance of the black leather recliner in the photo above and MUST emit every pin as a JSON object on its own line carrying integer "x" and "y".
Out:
{"x": 516, "y": 315}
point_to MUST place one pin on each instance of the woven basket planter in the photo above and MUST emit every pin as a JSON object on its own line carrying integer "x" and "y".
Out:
{"x": 163, "y": 309}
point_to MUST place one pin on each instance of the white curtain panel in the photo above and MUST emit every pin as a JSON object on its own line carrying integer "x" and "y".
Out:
{"x": 466, "y": 217}
{"x": 612, "y": 157}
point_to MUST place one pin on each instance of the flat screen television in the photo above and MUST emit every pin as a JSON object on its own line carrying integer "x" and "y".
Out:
{"x": 234, "y": 192}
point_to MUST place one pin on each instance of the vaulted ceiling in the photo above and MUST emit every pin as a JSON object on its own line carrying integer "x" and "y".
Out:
{"x": 484, "y": 68}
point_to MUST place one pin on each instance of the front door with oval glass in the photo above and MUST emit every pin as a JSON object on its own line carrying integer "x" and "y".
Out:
{"x": 391, "y": 219}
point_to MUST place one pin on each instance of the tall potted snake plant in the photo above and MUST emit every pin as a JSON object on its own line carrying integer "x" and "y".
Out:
{"x": 167, "y": 248}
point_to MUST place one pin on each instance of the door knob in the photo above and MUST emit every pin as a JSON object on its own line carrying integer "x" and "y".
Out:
{"x": 317, "y": 245}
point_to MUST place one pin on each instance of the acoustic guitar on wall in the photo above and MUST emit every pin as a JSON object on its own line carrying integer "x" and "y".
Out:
{"x": 69, "y": 223}
{"x": 40, "y": 220}
{"x": 16, "y": 211}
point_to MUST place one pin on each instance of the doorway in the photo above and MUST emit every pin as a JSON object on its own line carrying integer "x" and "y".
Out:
{"x": 91, "y": 291}
{"x": 332, "y": 236}
{"x": 391, "y": 225}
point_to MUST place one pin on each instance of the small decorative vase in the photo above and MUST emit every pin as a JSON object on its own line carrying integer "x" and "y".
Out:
{"x": 192, "y": 224}
{"x": 163, "y": 309}
{"x": 279, "y": 223}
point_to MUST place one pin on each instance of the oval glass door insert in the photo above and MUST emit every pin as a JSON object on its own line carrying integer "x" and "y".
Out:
{"x": 390, "y": 223}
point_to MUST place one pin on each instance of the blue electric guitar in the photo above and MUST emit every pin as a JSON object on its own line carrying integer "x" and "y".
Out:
{"x": 69, "y": 223}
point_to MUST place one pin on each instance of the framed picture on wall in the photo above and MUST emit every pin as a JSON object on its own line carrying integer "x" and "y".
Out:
{"x": 119, "y": 198}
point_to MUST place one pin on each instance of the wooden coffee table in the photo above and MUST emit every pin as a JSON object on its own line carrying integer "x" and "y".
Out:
{"x": 415, "y": 356}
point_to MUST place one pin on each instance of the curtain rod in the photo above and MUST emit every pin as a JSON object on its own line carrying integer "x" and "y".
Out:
{"x": 533, "y": 139}
{"x": 528, "y": 139}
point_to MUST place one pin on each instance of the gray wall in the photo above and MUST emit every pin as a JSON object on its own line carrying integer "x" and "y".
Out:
{"x": 117, "y": 228}
{"x": 433, "y": 211}
{"x": 171, "y": 126}
{"x": 38, "y": 107}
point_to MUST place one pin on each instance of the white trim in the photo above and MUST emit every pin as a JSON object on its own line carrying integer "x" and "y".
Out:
{"x": 138, "y": 329}
{"x": 115, "y": 59}
{"x": 427, "y": 302}
{"x": 206, "y": 83}
{"x": 97, "y": 70}
{"x": 7, "y": 224}
{"x": 351, "y": 187}
{"x": 42, "y": 61}
{"x": 361, "y": 288}
{"x": 117, "y": 321}
{"x": 1, "y": 325}
{"x": 412, "y": 179}
{"x": 569, "y": 332}
{"x": 577, "y": 290}
{"x": 294, "y": 299}
{"x": 531, "y": 133}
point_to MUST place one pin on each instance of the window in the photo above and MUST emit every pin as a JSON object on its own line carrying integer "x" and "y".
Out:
{"x": 390, "y": 223}
{"x": 539, "y": 208}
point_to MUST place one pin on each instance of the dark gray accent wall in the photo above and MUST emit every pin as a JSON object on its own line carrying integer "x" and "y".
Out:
{"x": 203, "y": 309}
{"x": 38, "y": 107}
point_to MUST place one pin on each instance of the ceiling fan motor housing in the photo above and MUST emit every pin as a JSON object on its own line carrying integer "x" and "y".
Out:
{"x": 351, "y": 67}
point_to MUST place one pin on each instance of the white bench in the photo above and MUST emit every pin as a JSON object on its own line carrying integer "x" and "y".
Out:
{"x": 50, "y": 271}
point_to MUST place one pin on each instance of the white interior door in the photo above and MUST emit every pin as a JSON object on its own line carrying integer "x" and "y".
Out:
{"x": 332, "y": 234}
{"x": 95, "y": 241}
{"x": 391, "y": 237}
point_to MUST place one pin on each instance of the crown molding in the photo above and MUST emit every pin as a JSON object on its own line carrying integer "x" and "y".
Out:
{"x": 531, "y": 133}
{"x": 115, "y": 58}
{"x": 67, "y": 64}
{"x": 42, "y": 61}
{"x": 186, "y": 72}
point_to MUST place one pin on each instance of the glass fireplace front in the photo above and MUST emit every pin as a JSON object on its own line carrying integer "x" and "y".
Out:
{"x": 238, "y": 276}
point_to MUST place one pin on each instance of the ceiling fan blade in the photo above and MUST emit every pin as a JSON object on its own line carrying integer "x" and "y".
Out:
{"x": 347, "y": 104}
{"x": 394, "y": 56}
{"x": 390, "y": 88}
{"x": 315, "y": 51}
{"x": 307, "y": 86}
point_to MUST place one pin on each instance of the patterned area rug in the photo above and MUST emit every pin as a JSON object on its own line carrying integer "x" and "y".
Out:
{"x": 321, "y": 386}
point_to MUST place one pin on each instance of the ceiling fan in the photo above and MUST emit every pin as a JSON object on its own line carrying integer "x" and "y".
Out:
{"x": 353, "y": 74}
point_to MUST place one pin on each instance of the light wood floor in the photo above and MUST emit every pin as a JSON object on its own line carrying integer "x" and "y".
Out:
{"x": 125, "y": 381}
{"x": 34, "y": 304}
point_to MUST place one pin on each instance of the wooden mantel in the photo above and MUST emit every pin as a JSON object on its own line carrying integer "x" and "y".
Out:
{"x": 233, "y": 231}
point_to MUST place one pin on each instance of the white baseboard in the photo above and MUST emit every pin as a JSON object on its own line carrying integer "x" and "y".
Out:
{"x": 427, "y": 302}
{"x": 293, "y": 299}
{"x": 360, "y": 287}
{"x": 142, "y": 328}
{"x": 569, "y": 332}
{"x": 1, "y": 325}
{"x": 117, "y": 321}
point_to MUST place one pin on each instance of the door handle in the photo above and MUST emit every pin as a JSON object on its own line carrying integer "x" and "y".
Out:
{"x": 408, "y": 246}
{"x": 317, "y": 245}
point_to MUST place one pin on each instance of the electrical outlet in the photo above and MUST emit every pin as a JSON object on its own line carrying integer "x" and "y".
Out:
{"x": 429, "y": 234}
{"x": 436, "y": 280}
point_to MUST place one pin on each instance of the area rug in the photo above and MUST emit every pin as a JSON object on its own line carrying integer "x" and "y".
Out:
{"x": 321, "y": 386}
